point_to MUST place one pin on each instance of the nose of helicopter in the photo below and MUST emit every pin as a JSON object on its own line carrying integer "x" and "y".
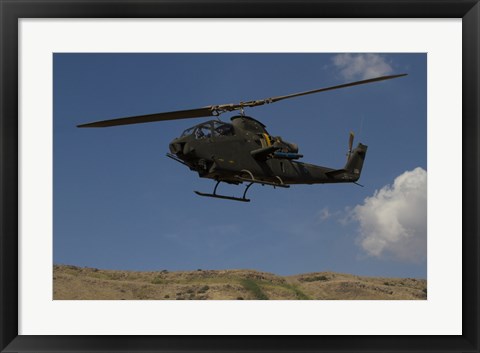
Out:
{"x": 176, "y": 146}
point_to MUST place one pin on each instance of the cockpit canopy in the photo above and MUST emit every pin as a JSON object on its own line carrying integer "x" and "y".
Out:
{"x": 209, "y": 129}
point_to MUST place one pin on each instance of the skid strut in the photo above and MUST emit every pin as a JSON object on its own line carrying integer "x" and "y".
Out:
{"x": 250, "y": 181}
{"x": 243, "y": 199}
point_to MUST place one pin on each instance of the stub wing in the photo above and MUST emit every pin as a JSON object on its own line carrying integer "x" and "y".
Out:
{"x": 262, "y": 154}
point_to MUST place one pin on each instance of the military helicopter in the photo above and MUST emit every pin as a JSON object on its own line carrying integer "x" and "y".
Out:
{"x": 243, "y": 151}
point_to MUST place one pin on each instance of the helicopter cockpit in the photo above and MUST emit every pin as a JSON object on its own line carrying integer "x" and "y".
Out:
{"x": 210, "y": 128}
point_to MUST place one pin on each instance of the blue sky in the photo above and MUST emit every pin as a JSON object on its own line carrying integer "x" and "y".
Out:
{"x": 119, "y": 203}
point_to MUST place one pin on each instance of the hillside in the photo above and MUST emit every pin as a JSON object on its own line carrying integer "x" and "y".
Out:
{"x": 77, "y": 283}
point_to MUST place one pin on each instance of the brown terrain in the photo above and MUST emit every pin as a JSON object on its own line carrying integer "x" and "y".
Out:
{"x": 77, "y": 283}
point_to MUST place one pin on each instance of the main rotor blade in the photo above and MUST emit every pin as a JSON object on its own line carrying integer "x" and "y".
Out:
{"x": 279, "y": 98}
{"x": 180, "y": 114}
{"x": 376, "y": 79}
{"x": 215, "y": 110}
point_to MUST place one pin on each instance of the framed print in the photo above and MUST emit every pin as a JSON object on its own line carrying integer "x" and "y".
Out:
{"x": 107, "y": 247}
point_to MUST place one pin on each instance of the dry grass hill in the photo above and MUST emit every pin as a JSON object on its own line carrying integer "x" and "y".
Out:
{"x": 77, "y": 283}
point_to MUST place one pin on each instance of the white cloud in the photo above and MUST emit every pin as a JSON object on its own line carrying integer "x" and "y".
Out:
{"x": 324, "y": 214}
{"x": 393, "y": 222}
{"x": 361, "y": 66}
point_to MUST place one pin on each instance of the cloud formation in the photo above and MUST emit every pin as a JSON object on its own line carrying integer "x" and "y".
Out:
{"x": 393, "y": 222}
{"x": 361, "y": 66}
{"x": 324, "y": 214}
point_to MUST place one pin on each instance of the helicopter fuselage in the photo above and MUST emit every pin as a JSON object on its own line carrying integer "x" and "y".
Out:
{"x": 244, "y": 151}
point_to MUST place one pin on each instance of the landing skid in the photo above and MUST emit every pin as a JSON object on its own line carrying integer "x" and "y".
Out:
{"x": 222, "y": 197}
{"x": 250, "y": 181}
{"x": 214, "y": 195}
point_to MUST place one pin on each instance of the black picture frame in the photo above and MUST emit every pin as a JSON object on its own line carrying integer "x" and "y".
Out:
{"x": 12, "y": 10}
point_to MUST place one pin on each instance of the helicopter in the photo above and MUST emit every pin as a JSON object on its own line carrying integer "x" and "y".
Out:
{"x": 242, "y": 150}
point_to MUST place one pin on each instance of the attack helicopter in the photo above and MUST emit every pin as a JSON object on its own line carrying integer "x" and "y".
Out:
{"x": 243, "y": 151}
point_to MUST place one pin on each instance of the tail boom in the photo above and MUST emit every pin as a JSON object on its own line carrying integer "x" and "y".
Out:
{"x": 350, "y": 173}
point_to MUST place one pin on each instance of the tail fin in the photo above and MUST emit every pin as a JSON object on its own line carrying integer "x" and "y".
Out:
{"x": 355, "y": 161}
